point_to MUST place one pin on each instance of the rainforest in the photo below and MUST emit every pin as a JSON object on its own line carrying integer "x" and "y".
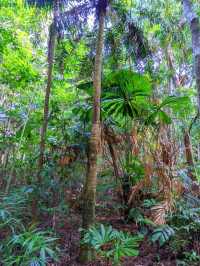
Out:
{"x": 99, "y": 133}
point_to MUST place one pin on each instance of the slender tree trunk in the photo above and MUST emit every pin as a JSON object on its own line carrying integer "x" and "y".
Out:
{"x": 114, "y": 161}
{"x": 172, "y": 85}
{"x": 50, "y": 59}
{"x": 89, "y": 194}
{"x": 198, "y": 151}
{"x": 189, "y": 155}
{"x": 174, "y": 82}
{"x": 194, "y": 24}
{"x": 113, "y": 152}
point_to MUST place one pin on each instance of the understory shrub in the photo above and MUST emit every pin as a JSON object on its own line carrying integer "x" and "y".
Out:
{"x": 32, "y": 247}
{"x": 112, "y": 244}
{"x": 21, "y": 246}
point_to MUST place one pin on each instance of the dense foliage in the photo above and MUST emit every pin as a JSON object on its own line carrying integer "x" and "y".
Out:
{"x": 99, "y": 132}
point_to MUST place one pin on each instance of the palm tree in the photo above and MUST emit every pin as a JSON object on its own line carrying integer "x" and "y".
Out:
{"x": 89, "y": 194}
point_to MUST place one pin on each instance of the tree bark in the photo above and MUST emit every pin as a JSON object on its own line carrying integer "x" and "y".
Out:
{"x": 111, "y": 142}
{"x": 194, "y": 24}
{"x": 189, "y": 155}
{"x": 89, "y": 193}
{"x": 114, "y": 161}
{"x": 50, "y": 59}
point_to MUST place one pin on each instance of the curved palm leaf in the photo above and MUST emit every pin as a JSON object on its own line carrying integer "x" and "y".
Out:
{"x": 122, "y": 91}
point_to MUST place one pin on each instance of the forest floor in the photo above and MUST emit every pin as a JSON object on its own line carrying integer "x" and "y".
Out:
{"x": 149, "y": 255}
{"x": 68, "y": 231}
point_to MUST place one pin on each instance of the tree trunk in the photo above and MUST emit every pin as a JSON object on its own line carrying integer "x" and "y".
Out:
{"x": 114, "y": 161}
{"x": 194, "y": 24}
{"x": 109, "y": 139}
{"x": 174, "y": 82}
{"x": 189, "y": 155}
{"x": 50, "y": 59}
{"x": 89, "y": 193}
